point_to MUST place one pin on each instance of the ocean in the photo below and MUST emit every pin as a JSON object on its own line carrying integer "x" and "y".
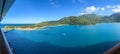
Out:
{"x": 3, "y": 25}
{"x": 66, "y": 39}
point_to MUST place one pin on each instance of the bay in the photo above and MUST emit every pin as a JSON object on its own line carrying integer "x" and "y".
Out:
{"x": 66, "y": 39}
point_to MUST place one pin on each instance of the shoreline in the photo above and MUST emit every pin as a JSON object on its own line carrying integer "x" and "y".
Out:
{"x": 35, "y": 28}
{"x": 30, "y": 29}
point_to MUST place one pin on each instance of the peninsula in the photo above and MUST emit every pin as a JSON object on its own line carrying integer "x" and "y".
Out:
{"x": 86, "y": 19}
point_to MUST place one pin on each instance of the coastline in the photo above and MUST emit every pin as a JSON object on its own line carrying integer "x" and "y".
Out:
{"x": 29, "y": 29}
{"x": 7, "y": 28}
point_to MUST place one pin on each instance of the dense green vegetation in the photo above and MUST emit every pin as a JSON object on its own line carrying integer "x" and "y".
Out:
{"x": 86, "y": 19}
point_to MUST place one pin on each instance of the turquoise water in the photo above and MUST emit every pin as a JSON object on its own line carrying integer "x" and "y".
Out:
{"x": 69, "y": 39}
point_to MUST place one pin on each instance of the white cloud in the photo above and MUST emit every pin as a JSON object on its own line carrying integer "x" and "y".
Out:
{"x": 116, "y": 9}
{"x": 91, "y": 9}
{"x": 83, "y": 13}
{"x": 113, "y": 8}
{"x": 100, "y": 10}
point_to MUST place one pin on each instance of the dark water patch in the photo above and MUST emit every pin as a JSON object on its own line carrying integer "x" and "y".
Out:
{"x": 25, "y": 46}
{"x": 47, "y": 48}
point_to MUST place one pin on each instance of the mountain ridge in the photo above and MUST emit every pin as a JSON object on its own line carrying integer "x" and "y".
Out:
{"x": 86, "y": 19}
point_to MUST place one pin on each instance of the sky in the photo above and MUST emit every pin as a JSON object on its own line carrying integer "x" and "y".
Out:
{"x": 35, "y": 11}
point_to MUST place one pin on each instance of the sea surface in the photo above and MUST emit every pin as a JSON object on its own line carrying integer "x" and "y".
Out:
{"x": 66, "y": 39}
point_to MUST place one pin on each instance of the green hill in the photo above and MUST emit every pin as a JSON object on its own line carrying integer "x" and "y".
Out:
{"x": 86, "y": 19}
{"x": 115, "y": 17}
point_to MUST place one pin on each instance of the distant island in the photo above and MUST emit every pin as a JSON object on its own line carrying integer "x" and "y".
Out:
{"x": 86, "y": 19}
